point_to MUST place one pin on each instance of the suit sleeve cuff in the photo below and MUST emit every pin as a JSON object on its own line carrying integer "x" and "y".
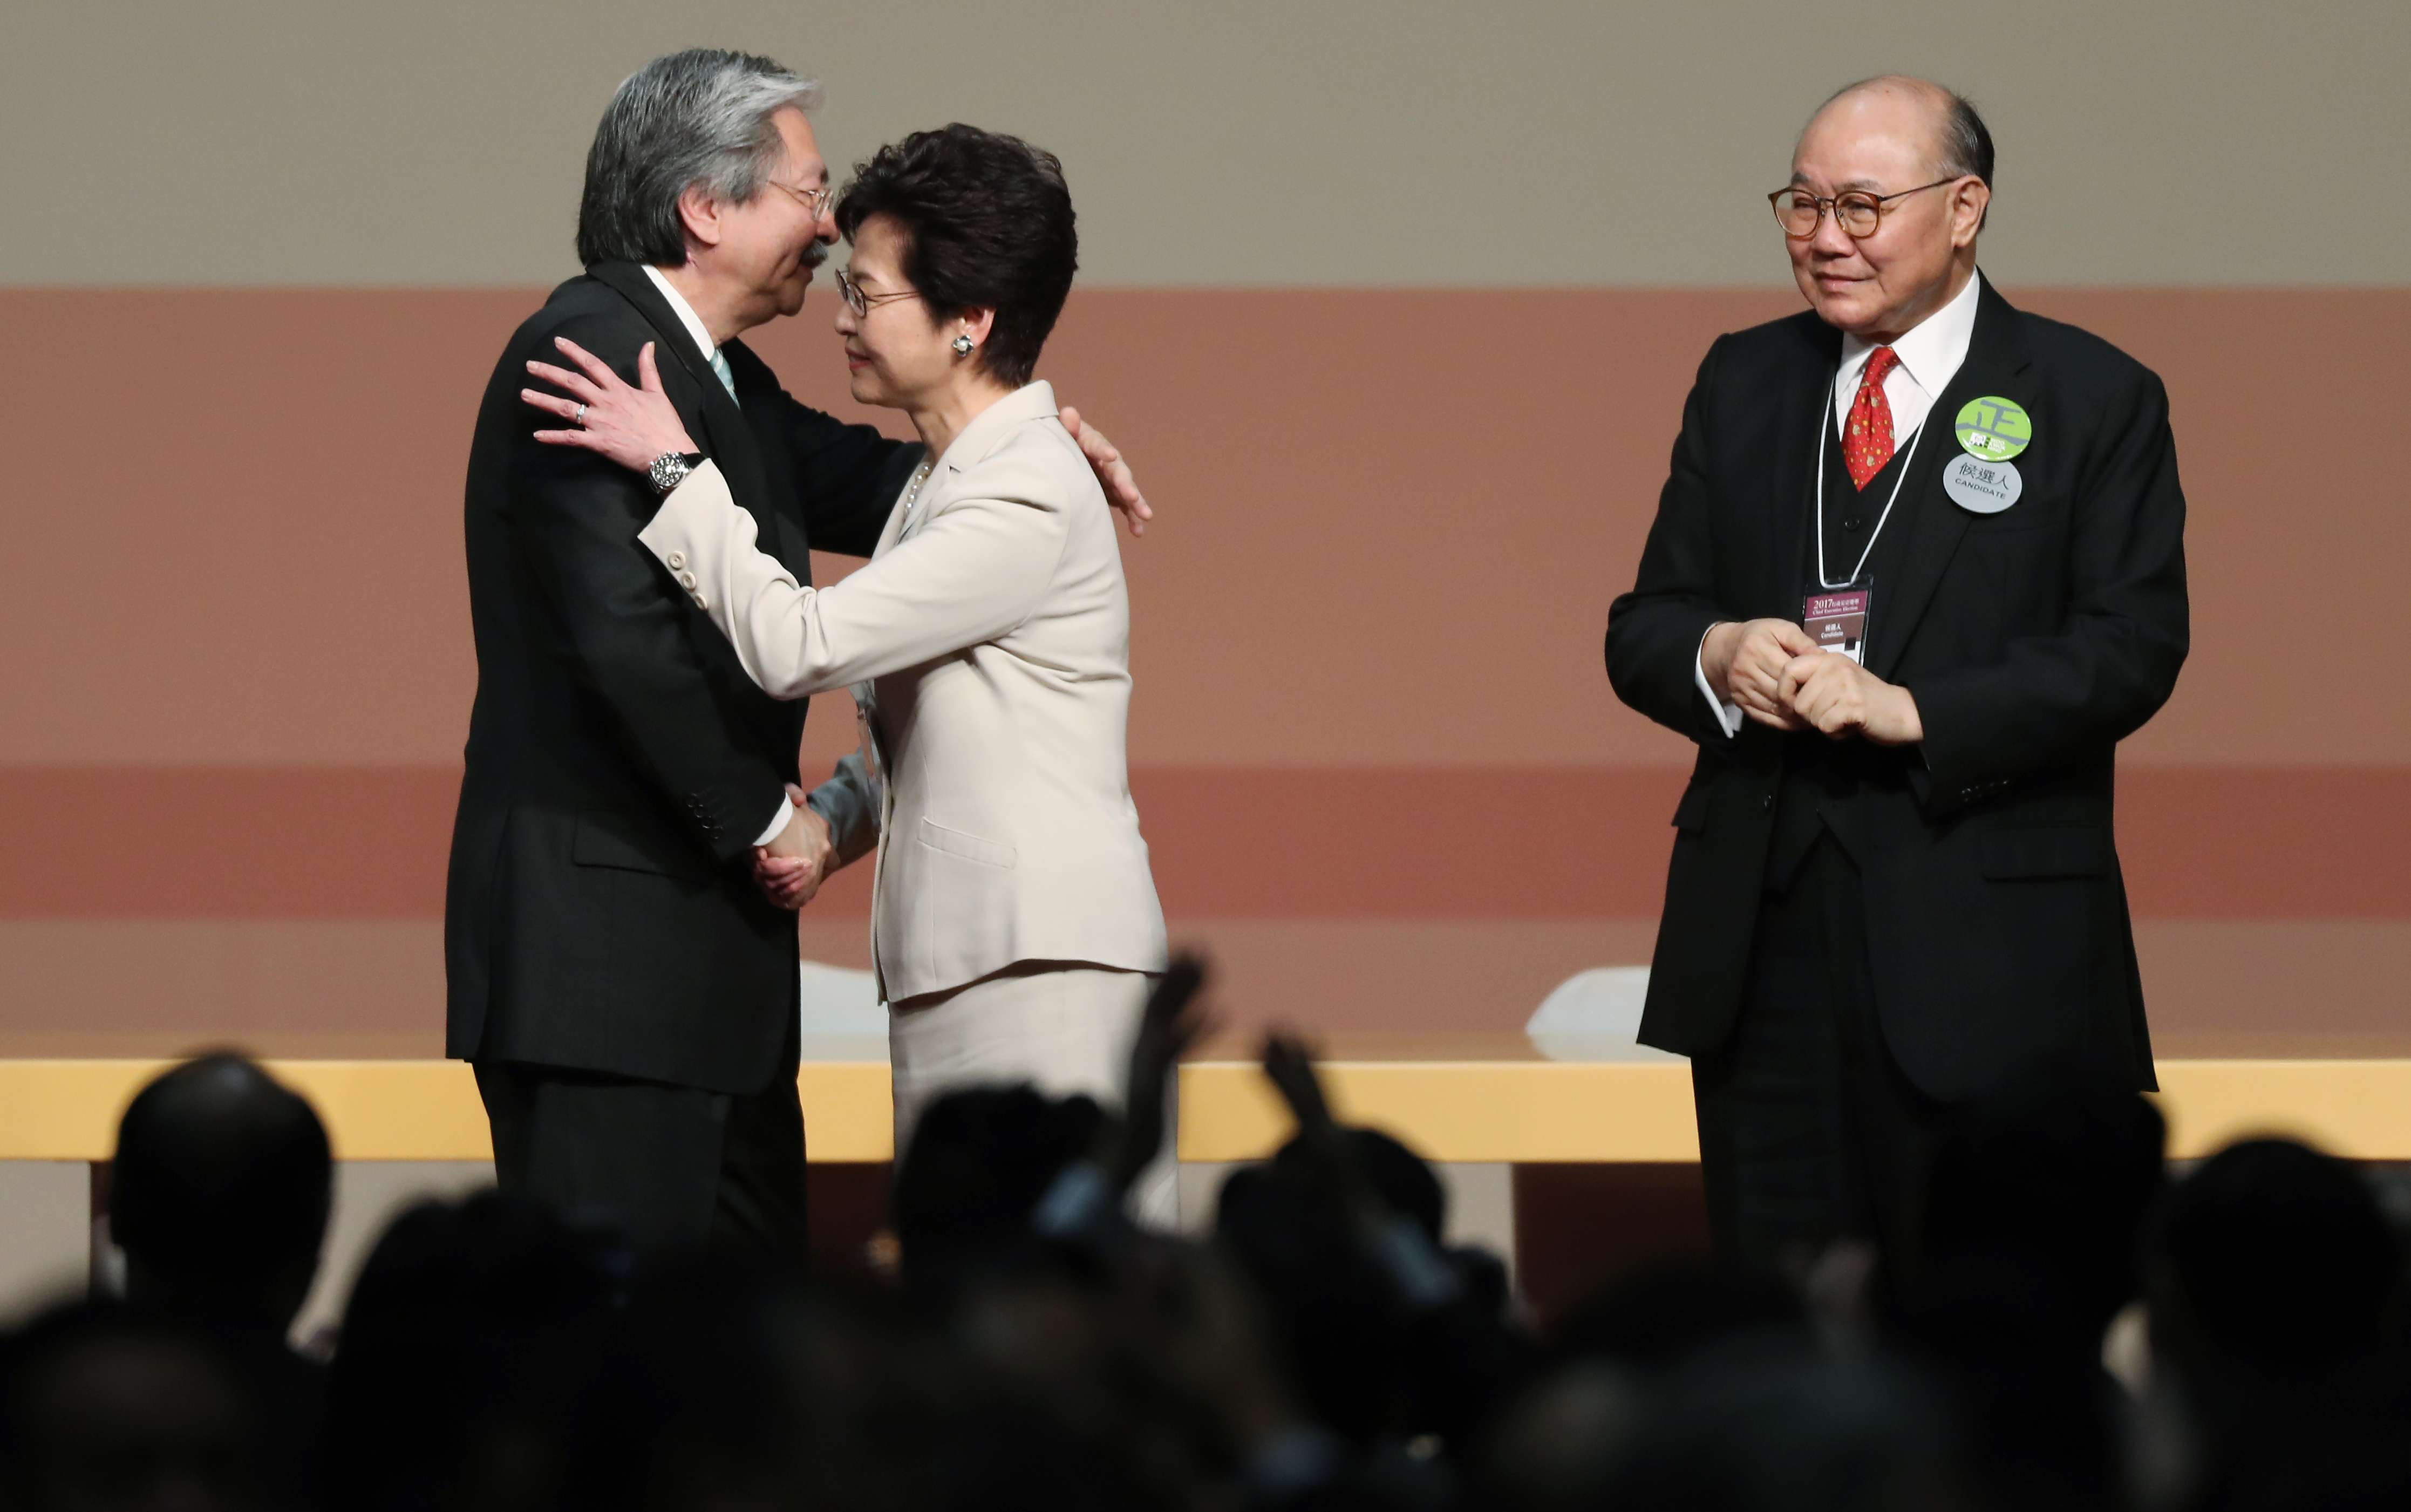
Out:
{"x": 779, "y": 821}
{"x": 1727, "y": 715}
{"x": 677, "y": 518}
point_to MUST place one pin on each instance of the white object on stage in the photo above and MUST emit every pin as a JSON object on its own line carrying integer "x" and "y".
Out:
{"x": 1595, "y": 1015}
{"x": 843, "y": 1018}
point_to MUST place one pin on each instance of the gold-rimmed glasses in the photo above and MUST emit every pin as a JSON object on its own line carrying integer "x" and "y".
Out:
{"x": 859, "y": 302}
{"x": 817, "y": 200}
{"x": 1858, "y": 212}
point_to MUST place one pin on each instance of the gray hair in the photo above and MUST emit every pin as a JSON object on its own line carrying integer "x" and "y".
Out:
{"x": 701, "y": 117}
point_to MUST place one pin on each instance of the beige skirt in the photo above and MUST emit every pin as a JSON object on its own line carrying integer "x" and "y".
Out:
{"x": 1062, "y": 1029}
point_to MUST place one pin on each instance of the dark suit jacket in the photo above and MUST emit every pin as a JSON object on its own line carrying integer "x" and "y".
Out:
{"x": 2033, "y": 640}
{"x": 599, "y": 912}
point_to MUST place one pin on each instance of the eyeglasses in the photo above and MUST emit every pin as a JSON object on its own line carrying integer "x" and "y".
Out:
{"x": 859, "y": 302}
{"x": 1856, "y": 212}
{"x": 817, "y": 200}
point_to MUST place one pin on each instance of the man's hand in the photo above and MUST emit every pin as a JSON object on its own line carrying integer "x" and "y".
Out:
{"x": 1745, "y": 663}
{"x": 798, "y": 859}
{"x": 1830, "y": 694}
{"x": 1121, "y": 489}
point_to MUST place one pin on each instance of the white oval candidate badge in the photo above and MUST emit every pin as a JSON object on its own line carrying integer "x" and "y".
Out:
{"x": 1981, "y": 487}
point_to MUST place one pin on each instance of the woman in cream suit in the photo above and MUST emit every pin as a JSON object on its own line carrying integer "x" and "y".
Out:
{"x": 1014, "y": 928}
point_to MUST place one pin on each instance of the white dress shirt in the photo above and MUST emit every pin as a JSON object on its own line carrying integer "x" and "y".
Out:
{"x": 694, "y": 328}
{"x": 1931, "y": 354}
{"x": 710, "y": 350}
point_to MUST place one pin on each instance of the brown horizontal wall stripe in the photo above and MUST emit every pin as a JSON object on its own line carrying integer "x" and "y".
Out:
{"x": 1389, "y": 522}
{"x": 1455, "y": 843}
{"x": 345, "y": 989}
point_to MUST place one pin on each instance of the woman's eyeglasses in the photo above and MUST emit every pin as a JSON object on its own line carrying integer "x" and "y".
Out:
{"x": 859, "y": 302}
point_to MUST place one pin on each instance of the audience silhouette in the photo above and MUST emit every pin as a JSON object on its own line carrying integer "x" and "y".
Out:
{"x": 1325, "y": 1348}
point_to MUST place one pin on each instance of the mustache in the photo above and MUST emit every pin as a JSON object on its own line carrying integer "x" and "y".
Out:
{"x": 814, "y": 256}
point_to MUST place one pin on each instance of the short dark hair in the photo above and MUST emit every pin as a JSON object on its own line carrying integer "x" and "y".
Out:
{"x": 986, "y": 222}
{"x": 222, "y": 1175}
{"x": 702, "y": 116}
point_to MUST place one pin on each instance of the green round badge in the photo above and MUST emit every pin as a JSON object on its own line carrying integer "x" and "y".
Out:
{"x": 1993, "y": 428}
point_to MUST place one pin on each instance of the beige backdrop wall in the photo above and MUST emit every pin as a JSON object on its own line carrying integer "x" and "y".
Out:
{"x": 1394, "y": 304}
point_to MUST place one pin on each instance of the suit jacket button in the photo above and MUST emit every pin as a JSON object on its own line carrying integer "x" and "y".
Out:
{"x": 1767, "y": 802}
{"x": 677, "y": 560}
{"x": 701, "y": 602}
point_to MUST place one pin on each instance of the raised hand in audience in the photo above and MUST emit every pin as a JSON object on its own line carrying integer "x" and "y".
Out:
{"x": 1172, "y": 1022}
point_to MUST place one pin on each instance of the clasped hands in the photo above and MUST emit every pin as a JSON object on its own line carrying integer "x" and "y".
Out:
{"x": 798, "y": 859}
{"x": 1780, "y": 677}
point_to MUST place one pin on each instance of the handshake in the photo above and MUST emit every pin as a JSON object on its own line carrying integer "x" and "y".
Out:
{"x": 798, "y": 859}
{"x": 1780, "y": 677}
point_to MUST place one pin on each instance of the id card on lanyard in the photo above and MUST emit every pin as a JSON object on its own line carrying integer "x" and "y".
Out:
{"x": 1838, "y": 613}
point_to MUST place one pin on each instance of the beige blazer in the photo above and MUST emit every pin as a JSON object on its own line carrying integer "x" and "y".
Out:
{"x": 993, "y": 625}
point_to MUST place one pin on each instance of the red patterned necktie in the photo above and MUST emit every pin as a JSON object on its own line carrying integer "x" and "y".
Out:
{"x": 1866, "y": 441}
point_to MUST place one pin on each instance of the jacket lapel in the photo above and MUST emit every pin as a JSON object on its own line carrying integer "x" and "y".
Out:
{"x": 726, "y": 433}
{"x": 1806, "y": 407}
{"x": 980, "y": 438}
{"x": 1996, "y": 358}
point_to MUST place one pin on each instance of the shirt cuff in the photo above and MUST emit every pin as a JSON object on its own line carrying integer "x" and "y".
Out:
{"x": 1727, "y": 715}
{"x": 778, "y": 821}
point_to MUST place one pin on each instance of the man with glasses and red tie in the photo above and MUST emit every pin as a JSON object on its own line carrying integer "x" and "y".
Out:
{"x": 1917, "y": 568}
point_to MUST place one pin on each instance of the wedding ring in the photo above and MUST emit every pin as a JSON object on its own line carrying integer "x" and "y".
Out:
{"x": 580, "y": 416}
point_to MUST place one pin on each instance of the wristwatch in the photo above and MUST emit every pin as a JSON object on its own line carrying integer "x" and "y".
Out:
{"x": 670, "y": 469}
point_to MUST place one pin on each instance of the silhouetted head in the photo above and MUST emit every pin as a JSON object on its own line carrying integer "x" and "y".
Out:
{"x": 459, "y": 1343}
{"x": 2051, "y": 1179}
{"x": 2025, "y": 1253}
{"x": 2270, "y": 1259}
{"x": 1771, "y": 1427}
{"x": 1334, "y": 1313}
{"x": 978, "y": 1162}
{"x": 727, "y": 1384}
{"x": 105, "y": 1405}
{"x": 1555, "y": 1447}
{"x": 1403, "y": 1179}
{"x": 218, "y": 1192}
{"x": 1656, "y": 1317}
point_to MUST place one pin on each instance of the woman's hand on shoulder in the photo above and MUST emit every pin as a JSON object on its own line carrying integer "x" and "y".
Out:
{"x": 632, "y": 426}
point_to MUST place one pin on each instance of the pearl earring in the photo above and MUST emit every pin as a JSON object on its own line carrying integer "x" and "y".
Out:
{"x": 962, "y": 343}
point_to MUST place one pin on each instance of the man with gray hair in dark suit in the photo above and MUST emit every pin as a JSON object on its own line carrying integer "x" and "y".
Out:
{"x": 626, "y": 994}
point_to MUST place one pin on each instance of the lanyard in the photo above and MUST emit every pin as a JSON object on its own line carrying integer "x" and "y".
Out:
{"x": 1822, "y": 429}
